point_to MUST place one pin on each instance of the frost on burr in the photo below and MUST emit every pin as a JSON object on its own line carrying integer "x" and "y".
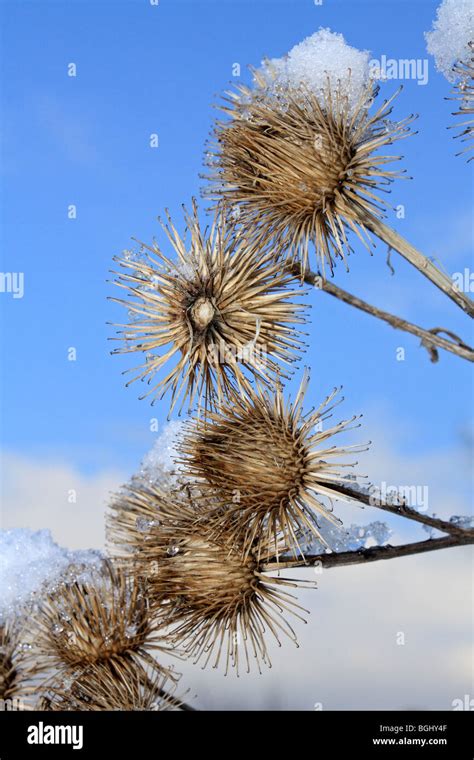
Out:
{"x": 452, "y": 31}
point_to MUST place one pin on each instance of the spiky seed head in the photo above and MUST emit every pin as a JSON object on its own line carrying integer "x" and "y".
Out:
{"x": 105, "y": 687}
{"x": 215, "y": 597}
{"x": 222, "y": 313}
{"x": 270, "y": 465}
{"x": 16, "y": 673}
{"x": 464, "y": 93}
{"x": 8, "y": 671}
{"x": 102, "y": 619}
{"x": 303, "y": 168}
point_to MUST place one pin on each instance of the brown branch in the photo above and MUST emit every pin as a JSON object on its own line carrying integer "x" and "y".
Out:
{"x": 457, "y": 536}
{"x": 429, "y": 338}
{"x": 174, "y": 701}
{"x": 420, "y": 262}
{"x": 185, "y": 707}
{"x": 375, "y": 553}
{"x": 402, "y": 510}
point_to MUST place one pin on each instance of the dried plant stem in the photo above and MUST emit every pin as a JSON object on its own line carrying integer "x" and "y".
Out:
{"x": 430, "y": 338}
{"x": 172, "y": 700}
{"x": 375, "y": 553}
{"x": 176, "y": 701}
{"x": 420, "y": 262}
{"x": 402, "y": 510}
{"x": 186, "y": 708}
{"x": 457, "y": 536}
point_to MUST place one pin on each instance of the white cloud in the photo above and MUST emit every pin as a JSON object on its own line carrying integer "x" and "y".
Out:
{"x": 44, "y": 494}
{"x": 70, "y": 132}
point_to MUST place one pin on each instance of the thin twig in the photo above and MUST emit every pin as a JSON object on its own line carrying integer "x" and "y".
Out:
{"x": 401, "y": 510}
{"x": 174, "y": 701}
{"x": 185, "y": 707}
{"x": 429, "y": 338}
{"x": 420, "y": 262}
{"x": 457, "y": 536}
{"x": 374, "y": 553}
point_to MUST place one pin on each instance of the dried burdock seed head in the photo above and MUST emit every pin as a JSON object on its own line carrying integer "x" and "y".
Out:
{"x": 16, "y": 673}
{"x": 451, "y": 42}
{"x": 105, "y": 687}
{"x": 464, "y": 93}
{"x": 215, "y": 596}
{"x": 271, "y": 465}
{"x": 301, "y": 167}
{"x": 105, "y": 618}
{"x": 222, "y": 312}
{"x": 8, "y": 670}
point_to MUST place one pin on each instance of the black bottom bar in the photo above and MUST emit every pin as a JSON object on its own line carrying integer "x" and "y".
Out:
{"x": 141, "y": 735}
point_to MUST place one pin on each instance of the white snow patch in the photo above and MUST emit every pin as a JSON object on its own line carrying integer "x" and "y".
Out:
{"x": 353, "y": 538}
{"x": 31, "y": 563}
{"x": 158, "y": 464}
{"x": 453, "y": 29}
{"x": 322, "y": 56}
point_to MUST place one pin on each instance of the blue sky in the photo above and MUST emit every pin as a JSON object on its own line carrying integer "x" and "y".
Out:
{"x": 145, "y": 69}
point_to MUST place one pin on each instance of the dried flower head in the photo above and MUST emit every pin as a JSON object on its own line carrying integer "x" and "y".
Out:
{"x": 217, "y": 600}
{"x": 8, "y": 671}
{"x": 270, "y": 464}
{"x": 464, "y": 93}
{"x": 101, "y": 620}
{"x": 223, "y": 311}
{"x": 302, "y": 167}
{"x": 16, "y": 673}
{"x": 104, "y": 687}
